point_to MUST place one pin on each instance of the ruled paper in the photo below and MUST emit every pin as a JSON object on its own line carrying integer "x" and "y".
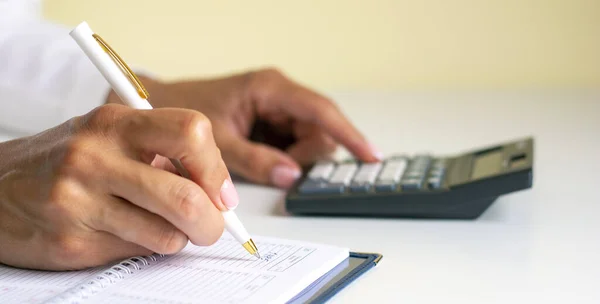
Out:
{"x": 221, "y": 273}
{"x": 31, "y": 286}
{"x": 226, "y": 273}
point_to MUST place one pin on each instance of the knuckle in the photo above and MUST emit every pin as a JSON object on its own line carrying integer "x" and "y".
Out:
{"x": 75, "y": 153}
{"x": 103, "y": 116}
{"x": 197, "y": 127}
{"x": 271, "y": 73}
{"x": 186, "y": 205}
{"x": 329, "y": 144}
{"x": 328, "y": 106}
{"x": 267, "y": 77}
{"x": 78, "y": 157}
{"x": 60, "y": 194}
{"x": 67, "y": 249}
{"x": 170, "y": 240}
{"x": 255, "y": 163}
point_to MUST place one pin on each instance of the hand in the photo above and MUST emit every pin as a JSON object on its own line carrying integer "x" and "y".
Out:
{"x": 93, "y": 190}
{"x": 297, "y": 126}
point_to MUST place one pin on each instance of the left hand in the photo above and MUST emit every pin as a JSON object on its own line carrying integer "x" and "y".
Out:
{"x": 294, "y": 126}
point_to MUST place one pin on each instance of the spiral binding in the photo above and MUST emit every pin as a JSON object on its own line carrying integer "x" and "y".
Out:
{"x": 104, "y": 279}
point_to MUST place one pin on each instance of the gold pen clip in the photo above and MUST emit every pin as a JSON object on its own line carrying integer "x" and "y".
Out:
{"x": 123, "y": 66}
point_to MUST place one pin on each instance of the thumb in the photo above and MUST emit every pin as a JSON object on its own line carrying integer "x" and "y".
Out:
{"x": 260, "y": 163}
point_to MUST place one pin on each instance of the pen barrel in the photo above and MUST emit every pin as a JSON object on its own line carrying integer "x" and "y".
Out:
{"x": 83, "y": 35}
{"x": 235, "y": 227}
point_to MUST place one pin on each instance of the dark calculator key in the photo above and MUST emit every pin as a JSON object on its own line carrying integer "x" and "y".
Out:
{"x": 436, "y": 172}
{"x": 364, "y": 187}
{"x": 386, "y": 186}
{"x": 414, "y": 174}
{"x": 321, "y": 188}
{"x": 412, "y": 183}
{"x": 434, "y": 182}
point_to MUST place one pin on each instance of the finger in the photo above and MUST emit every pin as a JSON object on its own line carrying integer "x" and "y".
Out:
{"x": 98, "y": 248}
{"x": 139, "y": 226}
{"x": 184, "y": 135}
{"x": 178, "y": 200}
{"x": 164, "y": 163}
{"x": 313, "y": 148}
{"x": 306, "y": 105}
{"x": 260, "y": 163}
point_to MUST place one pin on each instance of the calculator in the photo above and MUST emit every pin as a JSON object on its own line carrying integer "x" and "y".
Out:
{"x": 460, "y": 186}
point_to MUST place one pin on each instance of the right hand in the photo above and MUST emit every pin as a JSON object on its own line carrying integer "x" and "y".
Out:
{"x": 92, "y": 190}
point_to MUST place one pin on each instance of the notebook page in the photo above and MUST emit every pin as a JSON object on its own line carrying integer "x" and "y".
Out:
{"x": 226, "y": 273}
{"x": 31, "y": 286}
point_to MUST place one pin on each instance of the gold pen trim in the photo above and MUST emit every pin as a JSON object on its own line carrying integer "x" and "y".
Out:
{"x": 250, "y": 247}
{"x": 123, "y": 66}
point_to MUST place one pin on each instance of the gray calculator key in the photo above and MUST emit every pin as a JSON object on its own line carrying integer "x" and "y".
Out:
{"x": 367, "y": 173}
{"x": 363, "y": 187}
{"x": 386, "y": 186}
{"x": 343, "y": 174}
{"x": 439, "y": 163}
{"x": 412, "y": 183}
{"x": 393, "y": 170}
{"x": 434, "y": 182}
{"x": 414, "y": 174}
{"x": 365, "y": 178}
{"x": 311, "y": 187}
{"x": 321, "y": 171}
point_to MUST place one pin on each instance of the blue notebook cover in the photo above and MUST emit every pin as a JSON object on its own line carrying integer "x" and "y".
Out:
{"x": 338, "y": 278}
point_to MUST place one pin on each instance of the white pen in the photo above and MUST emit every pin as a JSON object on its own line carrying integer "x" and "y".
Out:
{"x": 131, "y": 91}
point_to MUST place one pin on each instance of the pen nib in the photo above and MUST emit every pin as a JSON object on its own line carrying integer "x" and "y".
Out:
{"x": 257, "y": 255}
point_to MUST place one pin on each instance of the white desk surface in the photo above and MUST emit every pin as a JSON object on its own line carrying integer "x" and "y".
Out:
{"x": 535, "y": 246}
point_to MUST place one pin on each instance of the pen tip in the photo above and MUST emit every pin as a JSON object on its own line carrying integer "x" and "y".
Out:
{"x": 257, "y": 255}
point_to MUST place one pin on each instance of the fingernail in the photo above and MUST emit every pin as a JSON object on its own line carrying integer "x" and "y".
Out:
{"x": 375, "y": 152}
{"x": 284, "y": 176}
{"x": 229, "y": 195}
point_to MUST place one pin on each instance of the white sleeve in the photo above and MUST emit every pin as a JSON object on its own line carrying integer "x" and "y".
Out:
{"x": 45, "y": 78}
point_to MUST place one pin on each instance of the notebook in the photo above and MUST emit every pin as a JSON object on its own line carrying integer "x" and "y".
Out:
{"x": 289, "y": 271}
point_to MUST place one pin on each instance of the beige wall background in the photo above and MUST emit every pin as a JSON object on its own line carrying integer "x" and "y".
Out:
{"x": 359, "y": 45}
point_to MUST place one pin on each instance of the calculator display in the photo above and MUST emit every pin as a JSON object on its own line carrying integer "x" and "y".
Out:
{"x": 487, "y": 164}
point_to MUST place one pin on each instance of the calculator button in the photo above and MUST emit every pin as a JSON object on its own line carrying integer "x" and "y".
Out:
{"x": 365, "y": 177}
{"x": 343, "y": 174}
{"x": 321, "y": 171}
{"x": 392, "y": 170}
{"x": 414, "y": 174}
{"x": 436, "y": 171}
{"x": 361, "y": 187}
{"x": 367, "y": 173}
{"x": 434, "y": 182}
{"x": 385, "y": 186}
{"x": 412, "y": 184}
{"x": 439, "y": 163}
{"x": 311, "y": 187}
{"x": 435, "y": 179}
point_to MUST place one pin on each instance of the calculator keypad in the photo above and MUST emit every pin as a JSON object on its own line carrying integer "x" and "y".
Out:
{"x": 396, "y": 173}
